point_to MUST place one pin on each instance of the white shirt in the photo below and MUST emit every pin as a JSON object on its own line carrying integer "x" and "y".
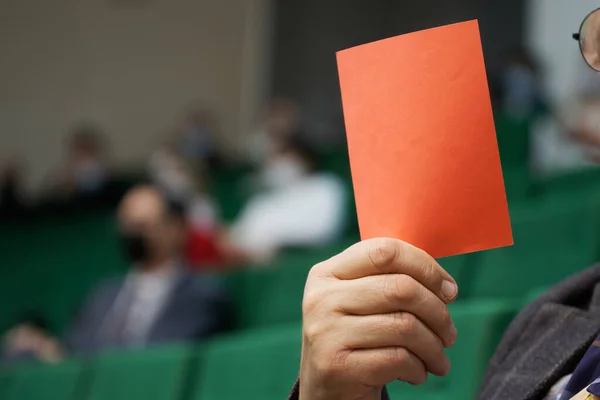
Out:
{"x": 146, "y": 294}
{"x": 307, "y": 212}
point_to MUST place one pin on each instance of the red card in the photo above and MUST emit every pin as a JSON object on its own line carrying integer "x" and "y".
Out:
{"x": 422, "y": 142}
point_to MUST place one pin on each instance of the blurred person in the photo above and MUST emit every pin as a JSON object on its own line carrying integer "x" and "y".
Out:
{"x": 282, "y": 120}
{"x": 85, "y": 174}
{"x": 12, "y": 198}
{"x": 198, "y": 136}
{"x": 300, "y": 207}
{"x": 30, "y": 339}
{"x": 521, "y": 89}
{"x": 579, "y": 143}
{"x": 378, "y": 312}
{"x": 159, "y": 300}
{"x": 173, "y": 176}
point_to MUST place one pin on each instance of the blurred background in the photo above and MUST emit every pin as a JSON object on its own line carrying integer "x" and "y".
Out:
{"x": 171, "y": 170}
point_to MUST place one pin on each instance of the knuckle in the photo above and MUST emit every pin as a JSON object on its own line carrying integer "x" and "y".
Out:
{"x": 430, "y": 270}
{"x": 404, "y": 322}
{"x": 330, "y": 365}
{"x": 312, "y": 330}
{"x": 396, "y": 356}
{"x": 317, "y": 270}
{"x": 313, "y": 299}
{"x": 420, "y": 294}
{"x": 399, "y": 288}
{"x": 383, "y": 252}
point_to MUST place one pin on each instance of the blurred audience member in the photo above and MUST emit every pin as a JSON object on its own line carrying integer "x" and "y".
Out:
{"x": 570, "y": 140}
{"x": 30, "y": 339}
{"x": 12, "y": 202}
{"x": 282, "y": 120}
{"x": 169, "y": 172}
{"x": 300, "y": 208}
{"x": 85, "y": 174}
{"x": 585, "y": 124}
{"x": 521, "y": 89}
{"x": 198, "y": 138}
{"x": 160, "y": 300}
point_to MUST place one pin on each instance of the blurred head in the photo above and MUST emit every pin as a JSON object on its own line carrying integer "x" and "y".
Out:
{"x": 152, "y": 228}
{"x": 11, "y": 175}
{"x": 172, "y": 175}
{"x": 86, "y": 142}
{"x": 86, "y": 154}
{"x": 283, "y": 117}
{"x": 293, "y": 160}
{"x": 200, "y": 117}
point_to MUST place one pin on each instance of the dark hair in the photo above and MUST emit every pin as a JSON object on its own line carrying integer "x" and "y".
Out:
{"x": 88, "y": 136}
{"x": 175, "y": 209}
{"x": 299, "y": 144}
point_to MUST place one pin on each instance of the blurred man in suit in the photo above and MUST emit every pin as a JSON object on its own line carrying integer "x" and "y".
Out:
{"x": 159, "y": 300}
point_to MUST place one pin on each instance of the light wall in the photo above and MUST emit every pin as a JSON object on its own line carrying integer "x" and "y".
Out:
{"x": 132, "y": 66}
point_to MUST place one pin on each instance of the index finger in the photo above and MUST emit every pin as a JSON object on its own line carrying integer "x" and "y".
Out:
{"x": 391, "y": 256}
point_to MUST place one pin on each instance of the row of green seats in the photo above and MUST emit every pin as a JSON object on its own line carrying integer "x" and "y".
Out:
{"x": 50, "y": 266}
{"x": 554, "y": 238}
{"x": 259, "y": 364}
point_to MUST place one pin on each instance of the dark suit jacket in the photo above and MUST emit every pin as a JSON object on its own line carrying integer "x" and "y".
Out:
{"x": 196, "y": 307}
{"x": 545, "y": 342}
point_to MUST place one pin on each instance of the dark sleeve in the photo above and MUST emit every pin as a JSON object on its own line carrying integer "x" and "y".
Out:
{"x": 295, "y": 394}
{"x": 215, "y": 304}
{"x": 81, "y": 333}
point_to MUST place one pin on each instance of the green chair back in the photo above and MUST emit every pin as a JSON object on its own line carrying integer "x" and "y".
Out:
{"x": 151, "y": 374}
{"x": 254, "y": 365}
{"x": 38, "y": 381}
{"x": 274, "y": 295}
{"x": 553, "y": 240}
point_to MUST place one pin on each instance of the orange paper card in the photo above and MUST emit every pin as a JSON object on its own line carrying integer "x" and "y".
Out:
{"x": 422, "y": 142}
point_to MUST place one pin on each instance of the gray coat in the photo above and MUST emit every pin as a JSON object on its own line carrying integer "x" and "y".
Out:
{"x": 544, "y": 343}
{"x": 196, "y": 307}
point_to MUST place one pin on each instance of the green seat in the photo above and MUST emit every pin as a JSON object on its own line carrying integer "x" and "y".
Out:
{"x": 513, "y": 137}
{"x": 255, "y": 365}
{"x": 273, "y": 296}
{"x": 249, "y": 289}
{"x": 44, "y": 381}
{"x": 480, "y": 325}
{"x": 553, "y": 239}
{"x": 152, "y": 374}
{"x": 5, "y": 382}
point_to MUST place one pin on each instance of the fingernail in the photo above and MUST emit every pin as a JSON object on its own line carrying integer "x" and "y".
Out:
{"x": 447, "y": 366}
{"x": 449, "y": 290}
{"x": 452, "y": 335}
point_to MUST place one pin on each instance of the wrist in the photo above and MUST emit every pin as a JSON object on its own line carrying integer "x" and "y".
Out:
{"x": 311, "y": 389}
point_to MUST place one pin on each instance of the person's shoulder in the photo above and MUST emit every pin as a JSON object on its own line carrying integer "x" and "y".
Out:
{"x": 107, "y": 284}
{"x": 203, "y": 283}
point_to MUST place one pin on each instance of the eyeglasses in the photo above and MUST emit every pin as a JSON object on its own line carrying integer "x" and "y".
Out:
{"x": 589, "y": 39}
